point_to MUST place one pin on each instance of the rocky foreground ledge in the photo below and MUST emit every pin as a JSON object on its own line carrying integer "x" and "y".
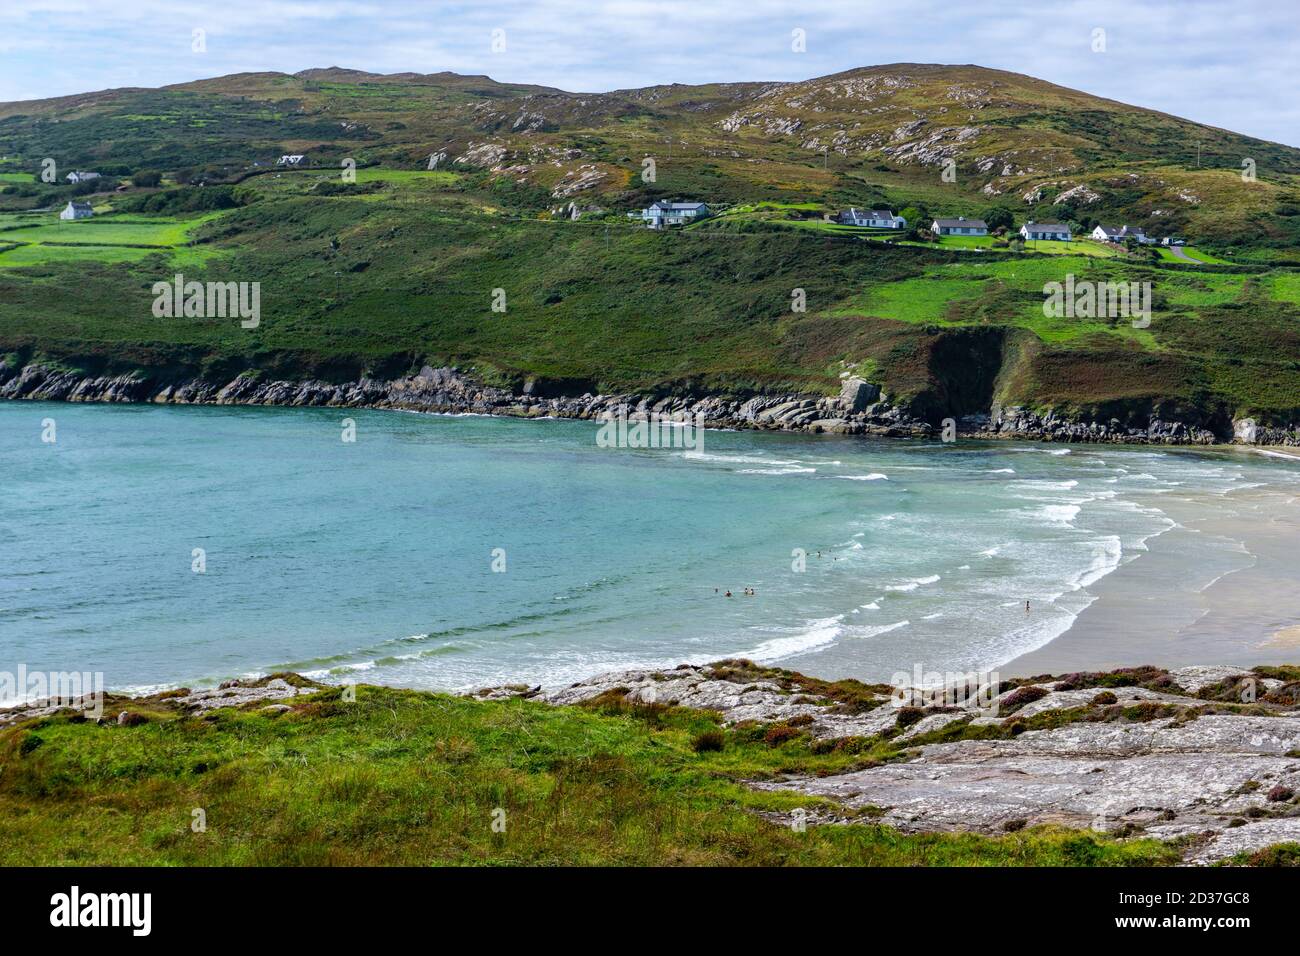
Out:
{"x": 1207, "y": 757}
{"x": 860, "y": 408}
{"x": 1204, "y": 758}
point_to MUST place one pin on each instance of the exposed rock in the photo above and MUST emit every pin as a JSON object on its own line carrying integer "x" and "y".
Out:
{"x": 860, "y": 408}
{"x": 856, "y": 394}
{"x": 1093, "y": 775}
{"x": 1192, "y": 679}
{"x": 233, "y": 694}
{"x": 1196, "y": 773}
{"x": 704, "y": 689}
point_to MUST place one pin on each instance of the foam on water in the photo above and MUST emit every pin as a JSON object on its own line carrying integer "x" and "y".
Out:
{"x": 614, "y": 558}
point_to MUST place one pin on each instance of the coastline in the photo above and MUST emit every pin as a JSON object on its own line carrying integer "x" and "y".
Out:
{"x": 860, "y": 408}
{"x": 1235, "y": 608}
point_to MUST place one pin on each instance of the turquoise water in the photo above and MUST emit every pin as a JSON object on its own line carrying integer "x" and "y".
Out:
{"x": 373, "y": 560}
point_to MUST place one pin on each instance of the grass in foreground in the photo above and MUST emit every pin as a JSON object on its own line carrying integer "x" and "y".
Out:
{"x": 403, "y": 777}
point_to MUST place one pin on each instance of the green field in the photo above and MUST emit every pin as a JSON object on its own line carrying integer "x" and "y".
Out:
{"x": 106, "y": 240}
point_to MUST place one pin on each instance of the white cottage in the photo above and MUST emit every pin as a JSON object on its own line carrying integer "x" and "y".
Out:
{"x": 961, "y": 226}
{"x": 77, "y": 210}
{"x": 1055, "y": 231}
{"x": 1112, "y": 234}
{"x": 873, "y": 218}
{"x": 81, "y": 176}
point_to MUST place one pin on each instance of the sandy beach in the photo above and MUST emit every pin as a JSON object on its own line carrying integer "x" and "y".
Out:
{"x": 1219, "y": 587}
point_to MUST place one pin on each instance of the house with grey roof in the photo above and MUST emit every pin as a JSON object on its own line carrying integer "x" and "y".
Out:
{"x": 1055, "y": 231}
{"x": 77, "y": 210}
{"x": 660, "y": 214}
{"x": 1113, "y": 234}
{"x": 873, "y": 218}
{"x": 961, "y": 226}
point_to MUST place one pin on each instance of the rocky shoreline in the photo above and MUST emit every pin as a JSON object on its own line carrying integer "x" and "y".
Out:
{"x": 859, "y": 409}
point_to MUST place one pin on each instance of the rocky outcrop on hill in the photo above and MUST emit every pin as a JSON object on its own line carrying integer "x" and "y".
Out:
{"x": 861, "y": 408}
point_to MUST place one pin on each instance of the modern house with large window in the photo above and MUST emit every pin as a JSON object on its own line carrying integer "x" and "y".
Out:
{"x": 660, "y": 214}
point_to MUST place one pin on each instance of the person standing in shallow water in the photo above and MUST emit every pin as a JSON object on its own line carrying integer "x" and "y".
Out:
{"x": 1026, "y": 607}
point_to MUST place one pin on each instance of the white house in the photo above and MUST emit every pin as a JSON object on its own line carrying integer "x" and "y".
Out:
{"x": 660, "y": 214}
{"x": 961, "y": 226}
{"x": 875, "y": 218}
{"x": 80, "y": 176}
{"x": 295, "y": 160}
{"x": 1045, "y": 230}
{"x": 1111, "y": 234}
{"x": 77, "y": 210}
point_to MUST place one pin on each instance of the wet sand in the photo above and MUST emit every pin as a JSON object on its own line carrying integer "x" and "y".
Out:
{"x": 1223, "y": 586}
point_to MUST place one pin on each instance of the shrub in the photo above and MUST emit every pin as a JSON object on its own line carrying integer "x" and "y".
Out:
{"x": 1019, "y": 697}
{"x": 1284, "y": 854}
{"x": 781, "y": 733}
{"x": 907, "y": 716}
{"x": 1104, "y": 699}
{"x": 1280, "y": 794}
{"x": 204, "y": 199}
{"x": 709, "y": 740}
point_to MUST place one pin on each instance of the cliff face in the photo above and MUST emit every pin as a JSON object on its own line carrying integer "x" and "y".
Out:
{"x": 860, "y": 408}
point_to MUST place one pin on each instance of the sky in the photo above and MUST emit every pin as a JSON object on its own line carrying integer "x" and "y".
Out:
{"x": 1228, "y": 63}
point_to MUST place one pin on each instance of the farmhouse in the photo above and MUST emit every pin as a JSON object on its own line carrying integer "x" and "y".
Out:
{"x": 1045, "y": 230}
{"x": 961, "y": 226}
{"x": 80, "y": 176}
{"x": 875, "y": 218}
{"x": 295, "y": 160}
{"x": 77, "y": 210}
{"x": 1112, "y": 234}
{"x": 660, "y": 214}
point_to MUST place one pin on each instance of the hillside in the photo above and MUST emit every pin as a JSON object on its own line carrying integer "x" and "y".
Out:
{"x": 397, "y": 270}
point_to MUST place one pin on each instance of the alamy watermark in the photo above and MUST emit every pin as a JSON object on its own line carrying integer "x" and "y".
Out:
{"x": 208, "y": 300}
{"x": 1086, "y": 299}
{"x": 652, "y": 430}
{"x": 82, "y": 690}
{"x": 965, "y": 690}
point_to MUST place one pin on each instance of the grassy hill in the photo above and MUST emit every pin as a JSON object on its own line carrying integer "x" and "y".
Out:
{"x": 399, "y": 268}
